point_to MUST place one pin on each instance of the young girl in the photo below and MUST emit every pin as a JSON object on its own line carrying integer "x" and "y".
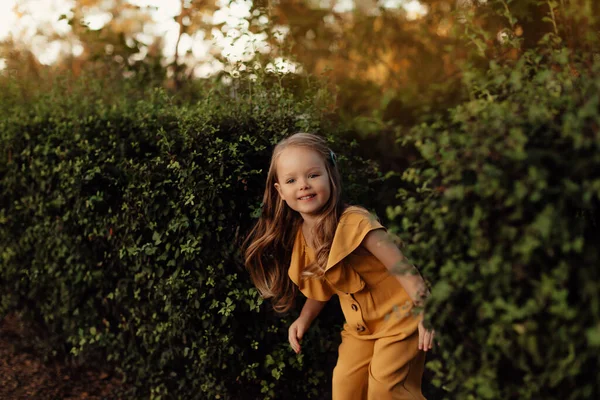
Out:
{"x": 307, "y": 238}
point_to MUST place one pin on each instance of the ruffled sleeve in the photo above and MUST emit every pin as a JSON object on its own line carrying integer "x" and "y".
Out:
{"x": 355, "y": 223}
{"x": 312, "y": 288}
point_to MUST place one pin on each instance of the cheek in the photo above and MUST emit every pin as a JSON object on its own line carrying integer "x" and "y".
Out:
{"x": 326, "y": 187}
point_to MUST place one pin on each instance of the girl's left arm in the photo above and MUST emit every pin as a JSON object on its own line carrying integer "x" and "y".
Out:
{"x": 381, "y": 245}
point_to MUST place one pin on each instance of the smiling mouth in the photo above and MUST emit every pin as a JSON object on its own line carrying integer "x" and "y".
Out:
{"x": 310, "y": 196}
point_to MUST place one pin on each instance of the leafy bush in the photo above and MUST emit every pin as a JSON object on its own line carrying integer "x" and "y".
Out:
{"x": 120, "y": 225}
{"x": 501, "y": 214}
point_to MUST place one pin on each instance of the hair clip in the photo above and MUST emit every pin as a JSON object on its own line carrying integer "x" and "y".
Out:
{"x": 332, "y": 157}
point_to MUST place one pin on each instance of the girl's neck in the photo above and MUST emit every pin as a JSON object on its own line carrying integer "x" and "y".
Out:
{"x": 307, "y": 234}
{"x": 308, "y": 222}
{"x": 307, "y": 230}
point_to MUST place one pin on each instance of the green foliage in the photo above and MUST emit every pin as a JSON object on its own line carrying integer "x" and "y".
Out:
{"x": 120, "y": 225}
{"x": 500, "y": 212}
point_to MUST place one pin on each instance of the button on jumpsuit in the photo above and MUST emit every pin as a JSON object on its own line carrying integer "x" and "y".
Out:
{"x": 379, "y": 357}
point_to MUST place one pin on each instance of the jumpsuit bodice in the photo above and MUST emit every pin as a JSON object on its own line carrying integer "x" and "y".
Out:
{"x": 372, "y": 299}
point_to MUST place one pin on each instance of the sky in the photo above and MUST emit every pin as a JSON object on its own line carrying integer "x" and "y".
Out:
{"x": 45, "y": 15}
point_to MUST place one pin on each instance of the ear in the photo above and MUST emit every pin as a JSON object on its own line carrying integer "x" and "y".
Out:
{"x": 278, "y": 187}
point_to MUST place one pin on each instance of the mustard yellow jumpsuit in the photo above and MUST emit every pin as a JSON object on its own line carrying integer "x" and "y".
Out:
{"x": 379, "y": 357}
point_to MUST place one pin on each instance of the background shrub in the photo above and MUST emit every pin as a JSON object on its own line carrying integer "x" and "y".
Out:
{"x": 120, "y": 225}
{"x": 501, "y": 213}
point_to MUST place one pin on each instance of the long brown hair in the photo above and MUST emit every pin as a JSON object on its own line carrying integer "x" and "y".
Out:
{"x": 268, "y": 247}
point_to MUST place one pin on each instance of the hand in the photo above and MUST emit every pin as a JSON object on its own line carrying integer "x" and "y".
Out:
{"x": 425, "y": 337}
{"x": 296, "y": 331}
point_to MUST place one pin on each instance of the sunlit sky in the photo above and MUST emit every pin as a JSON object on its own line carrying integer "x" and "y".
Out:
{"x": 229, "y": 41}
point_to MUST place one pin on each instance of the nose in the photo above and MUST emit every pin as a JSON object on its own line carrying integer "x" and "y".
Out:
{"x": 304, "y": 184}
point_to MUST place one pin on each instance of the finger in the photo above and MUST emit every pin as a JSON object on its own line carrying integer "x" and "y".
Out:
{"x": 429, "y": 339}
{"x": 293, "y": 341}
{"x": 424, "y": 341}
{"x": 295, "y": 348}
{"x": 294, "y": 344}
{"x": 430, "y": 345}
{"x": 299, "y": 335}
{"x": 420, "y": 339}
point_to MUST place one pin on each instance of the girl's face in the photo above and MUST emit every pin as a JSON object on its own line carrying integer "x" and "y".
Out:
{"x": 302, "y": 180}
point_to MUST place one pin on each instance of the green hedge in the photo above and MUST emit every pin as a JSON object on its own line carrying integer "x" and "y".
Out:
{"x": 501, "y": 212}
{"x": 120, "y": 226}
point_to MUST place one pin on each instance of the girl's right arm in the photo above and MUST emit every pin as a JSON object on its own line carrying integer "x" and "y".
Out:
{"x": 309, "y": 312}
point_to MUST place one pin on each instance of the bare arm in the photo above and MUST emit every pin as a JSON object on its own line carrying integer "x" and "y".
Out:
{"x": 311, "y": 309}
{"x": 380, "y": 244}
{"x": 309, "y": 312}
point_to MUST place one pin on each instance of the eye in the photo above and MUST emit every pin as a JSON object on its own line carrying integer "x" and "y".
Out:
{"x": 313, "y": 175}
{"x": 290, "y": 181}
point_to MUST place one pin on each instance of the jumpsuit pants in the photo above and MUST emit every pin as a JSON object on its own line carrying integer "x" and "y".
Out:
{"x": 378, "y": 369}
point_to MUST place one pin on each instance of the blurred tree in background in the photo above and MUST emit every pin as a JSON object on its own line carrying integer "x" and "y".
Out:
{"x": 385, "y": 60}
{"x": 390, "y": 65}
{"x": 125, "y": 43}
